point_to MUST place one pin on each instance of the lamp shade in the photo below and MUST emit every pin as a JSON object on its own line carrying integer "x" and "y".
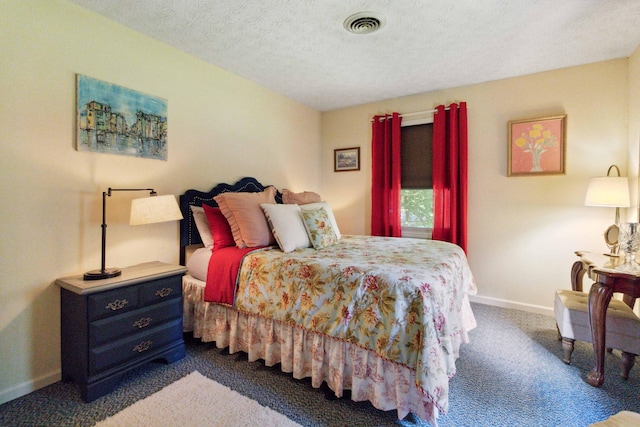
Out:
{"x": 149, "y": 210}
{"x": 610, "y": 191}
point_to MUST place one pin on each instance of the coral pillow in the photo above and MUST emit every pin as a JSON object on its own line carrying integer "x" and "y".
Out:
{"x": 289, "y": 197}
{"x": 246, "y": 219}
{"x": 220, "y": 230}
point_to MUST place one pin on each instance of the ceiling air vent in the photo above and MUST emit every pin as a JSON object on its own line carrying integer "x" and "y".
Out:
{"x": 364, "y": 23}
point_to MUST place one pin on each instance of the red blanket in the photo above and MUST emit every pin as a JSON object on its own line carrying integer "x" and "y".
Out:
{"x": 222, "y": 274}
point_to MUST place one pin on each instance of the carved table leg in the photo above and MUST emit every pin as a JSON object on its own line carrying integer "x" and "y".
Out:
{"x": 577, "y": 274}
{"x": 599, "y": 298}
{"x": 629, "y": 300}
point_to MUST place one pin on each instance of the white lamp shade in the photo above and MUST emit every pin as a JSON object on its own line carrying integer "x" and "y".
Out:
{"x": 610, "y": 191}
{"x": 149, "y": 210}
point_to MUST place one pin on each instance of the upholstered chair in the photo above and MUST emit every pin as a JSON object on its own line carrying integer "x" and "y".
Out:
{"x": 571, "y": 309}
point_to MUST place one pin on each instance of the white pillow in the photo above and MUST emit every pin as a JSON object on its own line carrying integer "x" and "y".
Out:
{"x": 198, "y": 263}
{"x": 202, "y": 224}
{"x": 286, "y": 225}
{"x": 332, "y": 218}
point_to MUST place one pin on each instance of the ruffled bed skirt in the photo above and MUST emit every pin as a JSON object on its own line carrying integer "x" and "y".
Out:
{"x": 342, "y": 365}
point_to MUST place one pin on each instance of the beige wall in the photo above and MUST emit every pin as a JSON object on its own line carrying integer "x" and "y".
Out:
{"x": 523, "y": 231}
{"x": 221, "y": 128}
{"x": 634, "y": 129}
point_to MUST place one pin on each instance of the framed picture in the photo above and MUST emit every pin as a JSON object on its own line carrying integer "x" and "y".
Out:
{"x": 537, "y": 146}
{"x": 346, "y": 159}
{"x": 115, "y": 120}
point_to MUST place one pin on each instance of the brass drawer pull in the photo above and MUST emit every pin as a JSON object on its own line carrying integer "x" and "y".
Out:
{"x": 142, "y": 322}
{"x": 143, "y": 346}
{"x": 164, "y": 292}
{"x": 117, "y": 304}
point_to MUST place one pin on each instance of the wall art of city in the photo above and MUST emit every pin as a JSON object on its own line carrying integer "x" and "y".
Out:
{"x": 116, "y": 120}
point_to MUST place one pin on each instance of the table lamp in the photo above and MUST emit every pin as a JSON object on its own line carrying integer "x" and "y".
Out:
{"x": 609, "y": 191}
{"x": 147, "y": 210}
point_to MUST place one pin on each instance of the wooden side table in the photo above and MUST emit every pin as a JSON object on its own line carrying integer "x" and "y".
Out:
{"x": 111, "y": 326}
{"x": 601, "y": 269}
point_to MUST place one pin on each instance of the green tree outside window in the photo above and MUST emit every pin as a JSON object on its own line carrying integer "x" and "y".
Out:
{"x": 417, "y": 208}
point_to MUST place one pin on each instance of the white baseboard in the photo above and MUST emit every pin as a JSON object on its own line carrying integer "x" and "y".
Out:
{"x": 547, "y": 311}
{"x": 28, "y": 386}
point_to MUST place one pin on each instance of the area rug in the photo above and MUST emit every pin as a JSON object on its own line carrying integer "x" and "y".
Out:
{"x": 195, "y": 400}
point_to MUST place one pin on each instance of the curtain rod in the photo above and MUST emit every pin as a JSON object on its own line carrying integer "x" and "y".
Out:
{"x": 416, "y": 113}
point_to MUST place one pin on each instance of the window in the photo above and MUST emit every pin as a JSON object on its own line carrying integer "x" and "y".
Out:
{"x": 417, "y": 182}
{"x": 417, "y": 208}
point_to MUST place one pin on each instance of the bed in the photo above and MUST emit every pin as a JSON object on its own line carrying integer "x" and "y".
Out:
{"x": 381, "y": 317}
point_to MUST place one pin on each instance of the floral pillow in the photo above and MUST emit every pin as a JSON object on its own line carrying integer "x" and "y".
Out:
{"x": 319, "y": 228}
{"x": 332, "y": 218}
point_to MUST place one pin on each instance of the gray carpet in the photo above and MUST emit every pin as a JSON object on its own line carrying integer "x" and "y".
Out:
{"x": 511, "y": 374}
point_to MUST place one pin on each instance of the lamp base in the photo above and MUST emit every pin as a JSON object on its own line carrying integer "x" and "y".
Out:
{"x": 102, "y": 274}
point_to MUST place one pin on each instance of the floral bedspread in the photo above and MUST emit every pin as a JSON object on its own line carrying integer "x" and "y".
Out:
{"x": 400, "y": 298}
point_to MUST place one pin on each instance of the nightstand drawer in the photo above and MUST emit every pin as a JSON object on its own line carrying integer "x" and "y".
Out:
{"x": 112, "y": 302}
{"x": 161, "y": 290}
{"x": 123, "y": 350}
{"x": 104, "y": 330}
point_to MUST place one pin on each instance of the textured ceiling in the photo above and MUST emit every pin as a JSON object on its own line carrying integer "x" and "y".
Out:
{"x": 300, "y": 49}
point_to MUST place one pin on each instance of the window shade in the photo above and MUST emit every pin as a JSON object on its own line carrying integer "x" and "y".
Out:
{"x": 416, "y": 156}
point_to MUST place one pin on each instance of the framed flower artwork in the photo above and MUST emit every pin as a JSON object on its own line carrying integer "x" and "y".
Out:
{"x": 537, "y": 146}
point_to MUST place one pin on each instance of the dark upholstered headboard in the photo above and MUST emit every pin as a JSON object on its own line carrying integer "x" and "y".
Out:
{"x": 188, "y": 231}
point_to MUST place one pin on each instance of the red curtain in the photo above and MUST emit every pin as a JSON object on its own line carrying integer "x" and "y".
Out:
{"x": 450, "y": 174}
{"x": 386, "y": 176}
